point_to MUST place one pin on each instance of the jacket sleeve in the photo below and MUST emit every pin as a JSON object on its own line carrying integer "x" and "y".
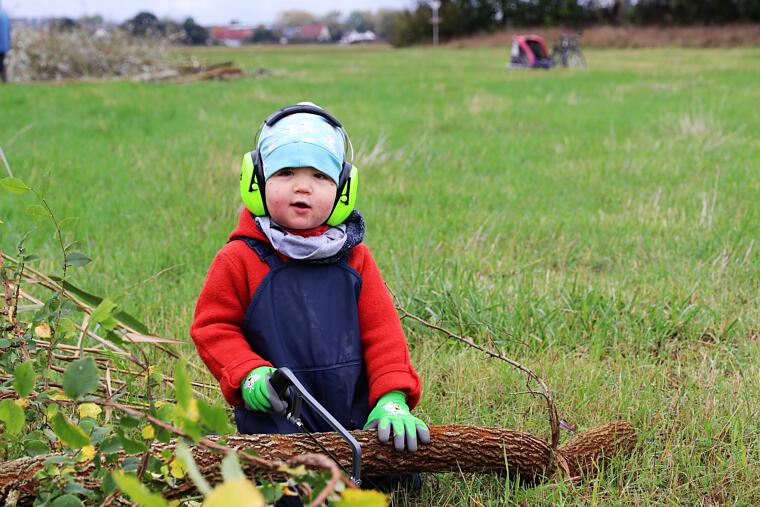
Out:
{"x": 386, "y": 352}
{"x": 217, "y": 328}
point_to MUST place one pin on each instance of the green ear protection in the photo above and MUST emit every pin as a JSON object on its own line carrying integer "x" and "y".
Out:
{"x": 252, "y": 171}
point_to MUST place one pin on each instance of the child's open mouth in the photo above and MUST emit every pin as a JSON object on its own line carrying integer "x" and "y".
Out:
{"x": 301, "y": 205}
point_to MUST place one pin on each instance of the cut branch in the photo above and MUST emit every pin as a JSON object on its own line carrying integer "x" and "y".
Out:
{"x": 451, "y": 448}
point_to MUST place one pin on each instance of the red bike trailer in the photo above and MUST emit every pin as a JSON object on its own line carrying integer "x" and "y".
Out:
{"x": 530, "y": 51}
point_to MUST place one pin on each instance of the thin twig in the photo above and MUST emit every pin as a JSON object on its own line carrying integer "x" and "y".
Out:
{"x": 325, "y": 463}
{"x": 48, "y": 283}
{"x": 107, "y": 343}
{"x": 64, "y": 271}
{"x": 14, "y": 311}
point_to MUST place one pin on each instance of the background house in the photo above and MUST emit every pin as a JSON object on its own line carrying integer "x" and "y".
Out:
{"x": 233, "y": 35}
{"x": 314, "y": 32}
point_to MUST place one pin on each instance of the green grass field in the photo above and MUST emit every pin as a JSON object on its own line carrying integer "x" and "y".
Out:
{"x": 601, "y": 227}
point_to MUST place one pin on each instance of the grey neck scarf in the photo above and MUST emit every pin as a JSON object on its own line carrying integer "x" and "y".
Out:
{"x": 326, "y": 248}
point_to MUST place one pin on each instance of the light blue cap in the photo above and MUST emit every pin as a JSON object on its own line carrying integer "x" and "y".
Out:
{"x": 302, "y": 140}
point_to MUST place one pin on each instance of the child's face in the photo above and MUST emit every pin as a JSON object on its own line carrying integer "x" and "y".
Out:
{"x": 300, "y": 197}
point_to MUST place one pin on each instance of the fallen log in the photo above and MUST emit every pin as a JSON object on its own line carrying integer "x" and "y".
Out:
{"x": 451, "y": 448}
{"x": 220, "y": 71}
{"x": 216, "y": 72}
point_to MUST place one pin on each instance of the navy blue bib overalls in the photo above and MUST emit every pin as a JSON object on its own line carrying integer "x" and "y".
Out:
{"x": 306, "y": 317}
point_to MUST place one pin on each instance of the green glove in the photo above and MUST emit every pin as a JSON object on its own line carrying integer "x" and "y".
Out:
{"x": 259, "y": 394}
{"x": 392, "y": 411}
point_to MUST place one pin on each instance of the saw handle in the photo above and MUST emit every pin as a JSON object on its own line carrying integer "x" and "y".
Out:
{"x": 281, "y": 384}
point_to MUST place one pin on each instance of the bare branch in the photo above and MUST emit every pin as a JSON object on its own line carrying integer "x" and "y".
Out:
{"x": 531, "y": 376}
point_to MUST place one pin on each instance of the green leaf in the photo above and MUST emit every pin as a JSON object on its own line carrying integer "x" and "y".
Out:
{"x": 183, "y": 453}
{"x": 182, "y": 388}
{"x": 130, "y": 446}
{"x": 231, "y": 468}
{"x": 107, "y": 485}
{"x": 67, "y": 501}
{"x": 69, "y": 433}
{"x": 270, "y": 491}
{"x": 13, "y": 185}
{"x": 94, "y": 300}
{"x": 192, "y": 428}
{"x": 114, "y": 338}
{"x": 66, "y": 223}
{"x": 66, "y": 328}
{"x": 111, "y": 445}
{"x": 127, "y": 421}
{"x": 166, "y": 412}
{"x": 103, "y": 314}
{"x": 12, "y": 415}
{"x": 77, "y": 259}
{"x": 80, "y": 378}
{"x": 163, "y": 435}
{"x": 215, "y": 417}
{"x": 73, "y": 488}
{"x": 137, "y": 491}
{"x": 36, "y": 447}
{"x": 37, "y": 212}
{"x": 23, "y": 383}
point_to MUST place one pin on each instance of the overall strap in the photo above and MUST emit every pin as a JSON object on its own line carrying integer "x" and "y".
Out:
{"x": 263, "y": 249}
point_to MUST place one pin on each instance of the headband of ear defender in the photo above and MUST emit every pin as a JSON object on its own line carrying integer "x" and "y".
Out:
{"x": 252, "y": 181}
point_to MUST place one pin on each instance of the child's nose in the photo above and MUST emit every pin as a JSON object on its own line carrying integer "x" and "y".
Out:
{"x": 302, "y": 185}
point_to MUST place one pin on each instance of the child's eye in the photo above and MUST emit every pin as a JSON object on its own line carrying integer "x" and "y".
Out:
{"x": 320, "y": 176}
{"x": 285, "y": 172}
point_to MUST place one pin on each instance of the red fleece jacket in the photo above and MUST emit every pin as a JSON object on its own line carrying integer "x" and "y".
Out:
{"x": 231, "y": 281}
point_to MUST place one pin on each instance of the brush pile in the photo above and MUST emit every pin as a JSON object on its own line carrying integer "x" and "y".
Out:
{"x": 46, "y": 55}
{"x": 85, "y": 54}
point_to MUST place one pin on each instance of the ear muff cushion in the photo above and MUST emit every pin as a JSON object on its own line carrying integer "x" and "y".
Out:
{"x": 250, "y": 192}
{"x": 347, "y": 200}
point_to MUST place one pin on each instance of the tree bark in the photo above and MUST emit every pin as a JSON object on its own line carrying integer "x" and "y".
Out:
{"x": 451, "y": 448}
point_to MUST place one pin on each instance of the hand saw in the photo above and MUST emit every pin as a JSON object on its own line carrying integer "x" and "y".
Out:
{"x": 287, "y": 387}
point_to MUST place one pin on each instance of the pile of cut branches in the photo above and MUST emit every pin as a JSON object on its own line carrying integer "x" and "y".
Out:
{"x": 47, "y": 54}
{"x": 81, "y": 54}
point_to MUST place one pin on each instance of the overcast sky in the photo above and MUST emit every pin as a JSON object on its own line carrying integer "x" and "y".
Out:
{"x": 204, "y": 11}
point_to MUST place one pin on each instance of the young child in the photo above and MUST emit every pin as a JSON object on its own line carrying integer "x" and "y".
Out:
{"x": 295, "y": 287}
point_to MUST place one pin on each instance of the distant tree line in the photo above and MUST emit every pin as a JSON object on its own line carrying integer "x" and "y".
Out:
{"x": 466, "y": 17}
{"x": 690, "y": 12}
{"x": 143, "y": 24}
{"x": 460, "y": 18}
{"x": 146, "y": 24}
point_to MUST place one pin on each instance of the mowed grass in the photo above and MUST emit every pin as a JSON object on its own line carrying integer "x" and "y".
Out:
{"x": 600, "y": 227}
